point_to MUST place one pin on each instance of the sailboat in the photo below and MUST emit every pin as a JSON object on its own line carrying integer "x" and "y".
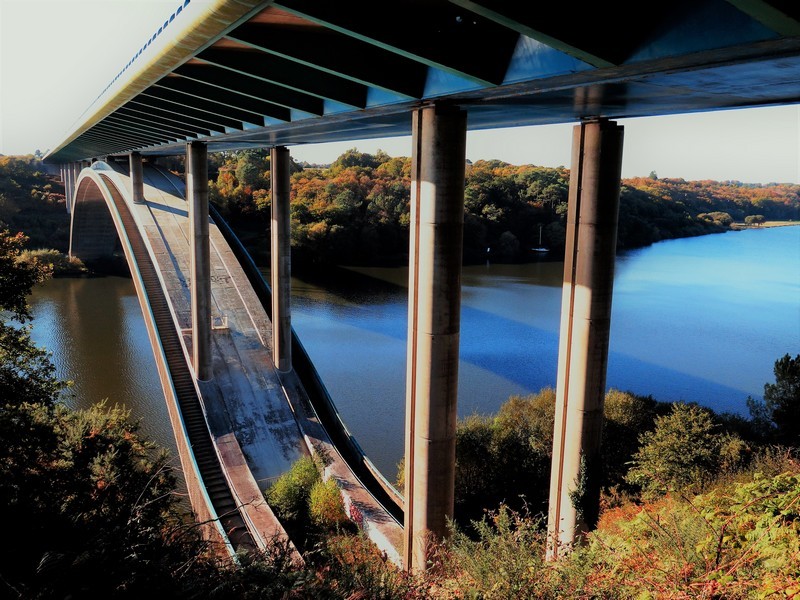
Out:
{"x": 540, "y": 248}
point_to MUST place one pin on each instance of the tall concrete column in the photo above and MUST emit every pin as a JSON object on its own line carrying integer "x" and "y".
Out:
{"x": 65, "y": 181}
{"x": 585, "y": 324}
{"x": 137, "y": 178}
{"x": 281, "y": 259}
{"x": 197, "y": 197}
{"x": 434, "y": 315}
{"x": 72, "y": 177}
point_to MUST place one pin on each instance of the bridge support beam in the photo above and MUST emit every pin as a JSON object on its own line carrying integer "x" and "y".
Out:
{"x": 434, "y": 311}
{"x": 585, "y": 324}
{"x": 71, "y": 174}
{"x": 65, "y": 181}
{"x": 137, "y": 178}
{"x": 281, "y": 259}
{"x": 197, "y": 197}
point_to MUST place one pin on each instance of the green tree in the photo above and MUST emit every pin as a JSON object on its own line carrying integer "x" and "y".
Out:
{"x": 754, "y": 219}
{"x": 778, "y": 414}
{"x": 87, "y": 503}
{"x": 686, "y": 450}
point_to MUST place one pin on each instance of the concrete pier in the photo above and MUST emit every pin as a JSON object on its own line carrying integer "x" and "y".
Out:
{"x": 434, "y": 310}
{"x": 281, "y": 259}
{"x": 197, "y": 197}
{"x": 584, "y": 336}
{"x": 137, "y": 182}
{"x": 71, "y": 175}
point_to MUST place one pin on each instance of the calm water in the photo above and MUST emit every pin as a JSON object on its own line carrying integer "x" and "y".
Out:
{"x": 95, "y": 332}
{"x": 700, "y": 319}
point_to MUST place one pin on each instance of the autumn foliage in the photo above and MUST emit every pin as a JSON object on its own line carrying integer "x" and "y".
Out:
{"x": 356, "y": 211}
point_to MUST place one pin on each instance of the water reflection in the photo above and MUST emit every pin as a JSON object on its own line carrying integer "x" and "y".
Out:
{"x": 95, "y": 332}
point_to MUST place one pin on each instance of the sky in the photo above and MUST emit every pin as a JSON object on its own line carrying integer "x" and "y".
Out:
{"x": 56, "y": 56}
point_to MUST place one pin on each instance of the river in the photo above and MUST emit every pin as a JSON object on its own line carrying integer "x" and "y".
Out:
{"x": 698, "y": 319}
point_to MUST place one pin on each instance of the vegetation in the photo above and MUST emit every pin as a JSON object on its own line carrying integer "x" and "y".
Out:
{"x": 57, "y": 262}
{"x": 33, "y": 201}
{"x": 87, "y": 504}
{"x": 356, "y": 211}
{"x": 695, "y": 504}
{"x": 685, "y": 451}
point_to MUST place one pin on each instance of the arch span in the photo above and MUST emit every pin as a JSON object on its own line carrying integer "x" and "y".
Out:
{"x": 259, "y": 421}
{"x": 93, "y": 235}
{"x": 101, "y": 216}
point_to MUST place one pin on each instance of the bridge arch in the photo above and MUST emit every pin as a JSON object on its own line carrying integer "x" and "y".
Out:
{"x": 104, "y": 211}
{"x": 102, "y": 219}
{"x": 93, "y": 233}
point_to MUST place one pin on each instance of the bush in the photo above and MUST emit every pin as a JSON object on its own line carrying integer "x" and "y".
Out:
{"x": 740, "y": 541}
{"x": 361, "y": 571}
{"x": 685, "y": 451}
{"x": 500, "y": 459}
{"x": 288, "y": 496}
{"x": 507, "y": 560}
{"x": 325, "y": 506}
{"x": 59, "y": 263}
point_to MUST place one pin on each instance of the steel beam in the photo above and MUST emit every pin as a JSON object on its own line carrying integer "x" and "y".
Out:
{"x": 225, "y": 82}
{"x": 279, "y": 71}
{"x": 584, "y": 336}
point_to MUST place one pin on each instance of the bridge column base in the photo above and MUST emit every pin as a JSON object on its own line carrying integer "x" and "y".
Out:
{"x": 584, "y": 336}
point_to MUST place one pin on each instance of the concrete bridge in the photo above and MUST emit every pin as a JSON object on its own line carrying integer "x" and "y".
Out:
{"x": 232, "y": 74}
{"x": 243, "y": 423}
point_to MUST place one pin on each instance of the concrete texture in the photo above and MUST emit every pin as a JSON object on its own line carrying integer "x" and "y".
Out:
{"x": 585, "y": 325}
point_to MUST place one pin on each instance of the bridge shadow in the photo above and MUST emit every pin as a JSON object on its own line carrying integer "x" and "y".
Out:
{"x": 167, "y": 209}
{"x": 520, "y": 353}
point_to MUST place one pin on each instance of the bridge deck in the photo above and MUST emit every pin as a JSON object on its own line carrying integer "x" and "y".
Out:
{"x": 258, "y": 433}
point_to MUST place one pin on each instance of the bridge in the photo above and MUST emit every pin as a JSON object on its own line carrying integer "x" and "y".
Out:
{"x": 235, "y": 74}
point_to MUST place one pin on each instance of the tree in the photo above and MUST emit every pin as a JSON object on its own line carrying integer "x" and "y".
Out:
{"x": 754, "y": 219}
{"x": 87, "y": 502}
{"x": 17, "y": 279}
{"x": 685, "y": 451}
{"x": 778, "y": 415}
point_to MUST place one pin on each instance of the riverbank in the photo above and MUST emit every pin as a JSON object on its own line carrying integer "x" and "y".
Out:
{"x": 764, "y": 225}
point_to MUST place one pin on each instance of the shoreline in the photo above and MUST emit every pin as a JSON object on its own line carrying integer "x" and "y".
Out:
{"x": 764, "y": 225}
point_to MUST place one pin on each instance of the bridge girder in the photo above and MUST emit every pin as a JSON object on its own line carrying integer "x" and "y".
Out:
{"x": 254, "y": 73}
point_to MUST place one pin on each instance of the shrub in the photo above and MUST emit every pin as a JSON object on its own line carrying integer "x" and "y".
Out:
{"x": 325, "y": 506}
{"x": 740, "y": 541}
{"x": 289, "y": 495}
{"x": 361, "y": 571}
{"x": 58, "y": 262}
{"x": 507, "y": 560}
{"x": 499, "y": 459}
{"x": 685, "y": 451}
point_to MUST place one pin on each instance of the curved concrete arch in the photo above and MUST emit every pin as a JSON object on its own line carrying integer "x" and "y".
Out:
{"x": 93, "y": 234}
{"x": 258, "y": 420}
{"x": 97, "y": 224}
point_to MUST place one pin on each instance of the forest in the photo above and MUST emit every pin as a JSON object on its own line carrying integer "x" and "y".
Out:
{"x": 356, "y": 210}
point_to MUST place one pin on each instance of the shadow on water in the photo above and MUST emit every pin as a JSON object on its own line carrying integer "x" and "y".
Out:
{"x": 509, "y": 348}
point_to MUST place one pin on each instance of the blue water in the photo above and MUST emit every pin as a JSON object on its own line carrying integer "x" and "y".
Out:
{"x": 698, "y": 319}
